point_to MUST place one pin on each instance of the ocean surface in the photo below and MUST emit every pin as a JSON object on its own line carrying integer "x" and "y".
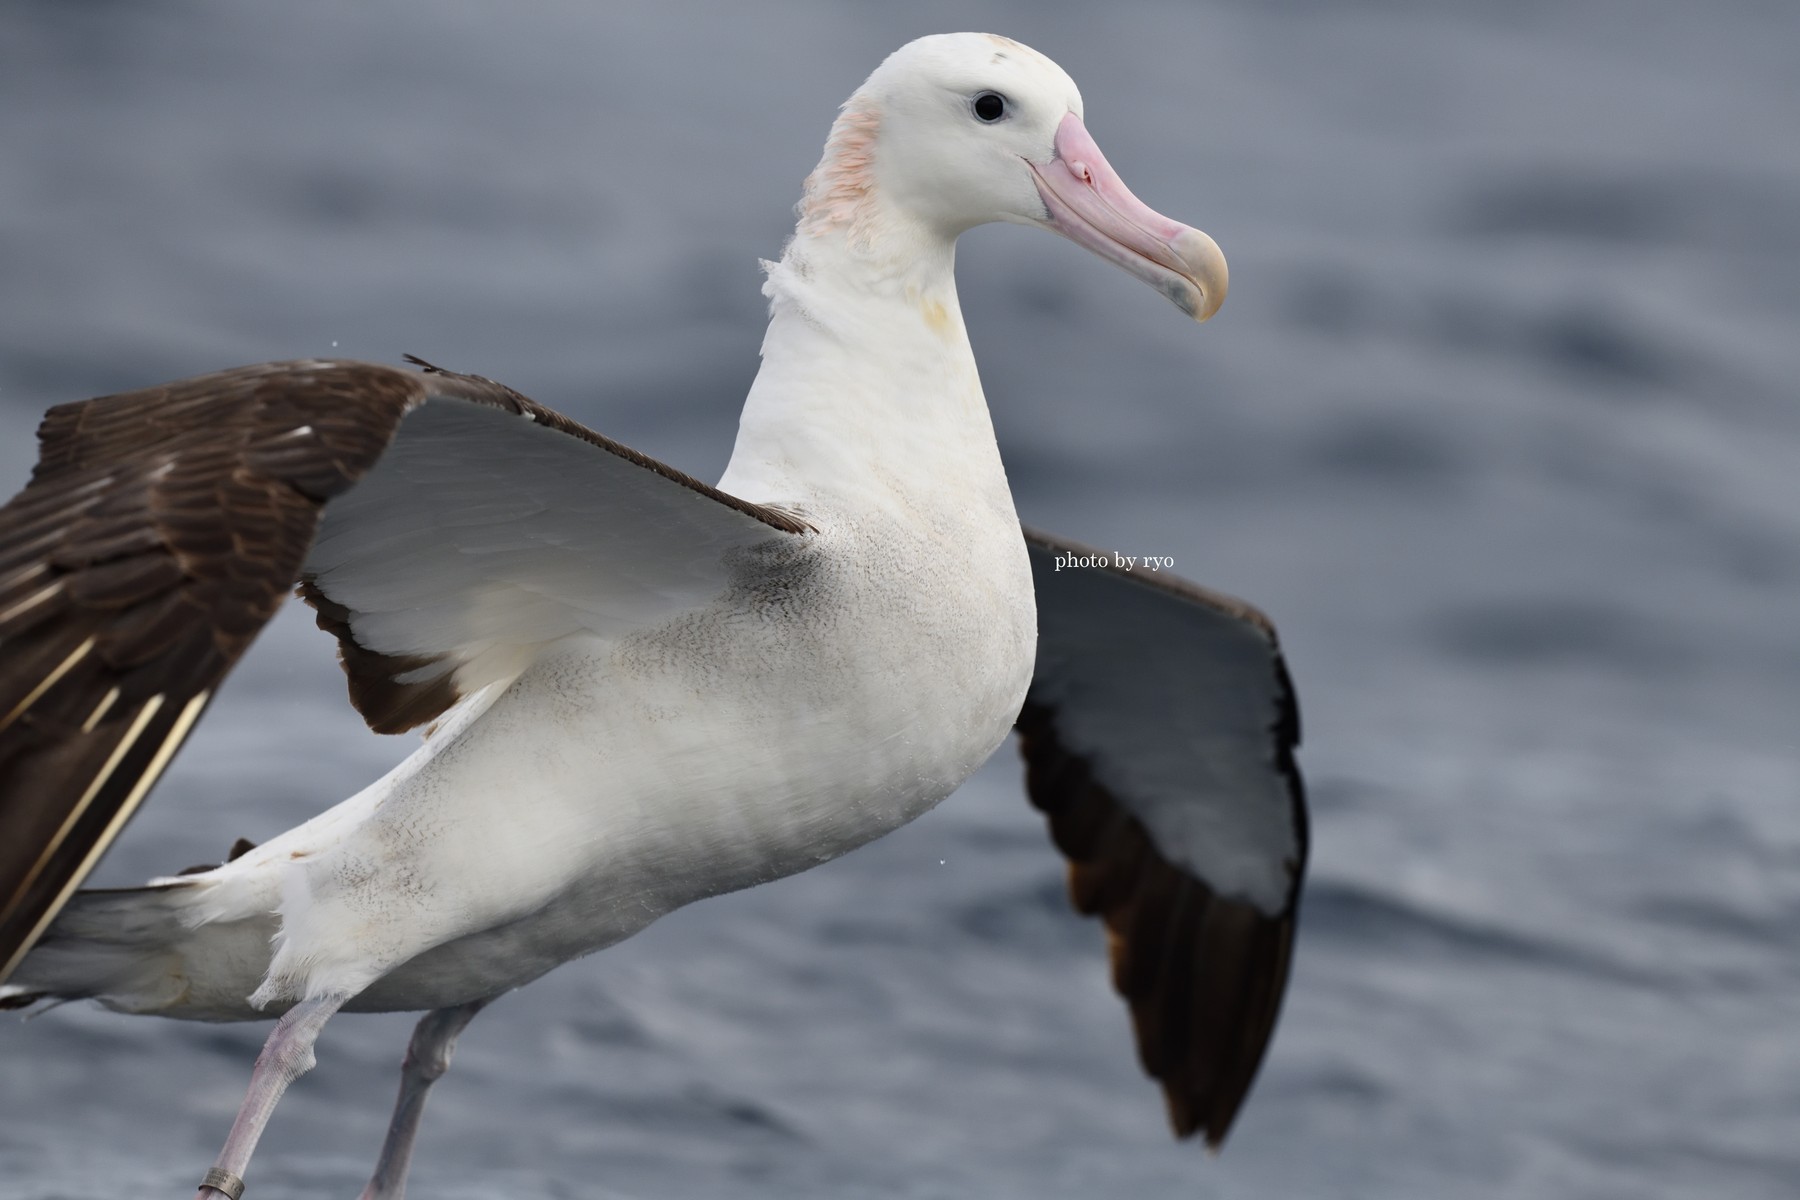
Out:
{"x": 1500, "y": 424}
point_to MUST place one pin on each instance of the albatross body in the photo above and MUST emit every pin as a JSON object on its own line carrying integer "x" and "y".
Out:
{"x": 842, "y": 683}
{"x": 639, "y": 690}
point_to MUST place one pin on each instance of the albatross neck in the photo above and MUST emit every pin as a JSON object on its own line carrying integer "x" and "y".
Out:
{"x": 866, "y": 373}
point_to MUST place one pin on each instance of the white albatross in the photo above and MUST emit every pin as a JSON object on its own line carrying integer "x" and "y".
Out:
{"x": 641, "y": 690}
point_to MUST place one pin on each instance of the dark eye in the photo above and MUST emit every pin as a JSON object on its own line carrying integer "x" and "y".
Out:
{"x": 990, "y": 107}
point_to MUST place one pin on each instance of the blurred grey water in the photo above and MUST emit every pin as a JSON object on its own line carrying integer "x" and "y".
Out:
{"x": 1499, "y": 424}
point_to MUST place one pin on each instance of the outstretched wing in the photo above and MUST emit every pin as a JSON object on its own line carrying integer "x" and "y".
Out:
{"x": 162, "y": 529}
{"x": 1158, "y": 738}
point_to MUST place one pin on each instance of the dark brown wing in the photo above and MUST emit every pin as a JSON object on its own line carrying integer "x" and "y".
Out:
{"x": 1158, "y": 739}
{"x": 160, "y": 531}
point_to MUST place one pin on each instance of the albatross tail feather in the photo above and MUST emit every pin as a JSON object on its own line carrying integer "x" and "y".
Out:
{"x": 128, "y": 948}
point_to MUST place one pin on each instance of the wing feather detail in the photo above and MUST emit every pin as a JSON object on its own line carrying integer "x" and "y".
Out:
{"x": 1158, "y": 739}
{"x": 153, "y": 542}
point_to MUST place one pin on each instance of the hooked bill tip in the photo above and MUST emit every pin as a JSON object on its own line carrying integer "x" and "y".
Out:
{"x": 1205, "y": 272}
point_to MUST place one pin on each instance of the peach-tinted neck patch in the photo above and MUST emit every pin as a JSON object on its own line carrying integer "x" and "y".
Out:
{"x": 837, "y": 195}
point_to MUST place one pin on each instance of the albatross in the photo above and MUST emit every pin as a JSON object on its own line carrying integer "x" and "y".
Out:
{"x": 638, "y": 690}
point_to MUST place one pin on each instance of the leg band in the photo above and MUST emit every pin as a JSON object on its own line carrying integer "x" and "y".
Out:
{"x": 223, "y": 1181}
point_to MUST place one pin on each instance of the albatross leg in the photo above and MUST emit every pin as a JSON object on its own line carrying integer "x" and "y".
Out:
{"x": 287, "y": 1055}
{"x": 427, "y": 1058}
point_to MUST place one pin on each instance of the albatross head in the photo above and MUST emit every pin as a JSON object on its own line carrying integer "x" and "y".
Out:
{"x": 960, "y": 129}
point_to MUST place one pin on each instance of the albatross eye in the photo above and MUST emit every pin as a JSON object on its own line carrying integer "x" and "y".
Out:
{"x": 990, "y": 107}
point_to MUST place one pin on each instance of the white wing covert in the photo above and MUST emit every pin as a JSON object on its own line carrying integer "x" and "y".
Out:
{"x": 491, "y": 527}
